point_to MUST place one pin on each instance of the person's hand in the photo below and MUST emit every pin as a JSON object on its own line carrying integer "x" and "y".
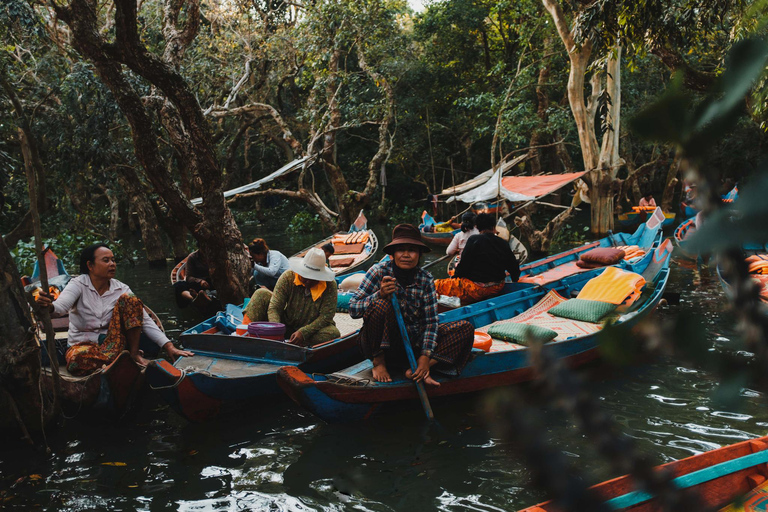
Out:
{"x": 174, "y": 353}
{"x": 388, "y": 287}
{"x": 296, "y": 338}
{"x": 205, "y": 285}
{"x": 422, "y": 369}
{"x": 44, "y": 300}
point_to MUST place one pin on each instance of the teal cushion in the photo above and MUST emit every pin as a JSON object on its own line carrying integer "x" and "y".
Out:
{"x": 583, "y": 309}
{"x": 342, "y": 302}
{"x": 521, "y": 333}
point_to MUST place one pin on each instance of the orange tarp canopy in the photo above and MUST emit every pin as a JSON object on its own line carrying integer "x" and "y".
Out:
{"x": 534, "y": 187}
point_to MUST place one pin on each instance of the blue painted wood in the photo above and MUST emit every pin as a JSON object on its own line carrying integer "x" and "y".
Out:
{"x": 411, "y": 358}
{"x": 695, "y": 478}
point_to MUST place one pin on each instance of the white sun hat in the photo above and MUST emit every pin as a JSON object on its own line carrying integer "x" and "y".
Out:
{"x": 312, "y": 266}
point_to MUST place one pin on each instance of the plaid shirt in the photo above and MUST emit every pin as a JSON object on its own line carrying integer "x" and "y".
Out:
{"x": 418, "y": 303}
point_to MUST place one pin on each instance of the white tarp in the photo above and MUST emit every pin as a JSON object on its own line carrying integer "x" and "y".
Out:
{"x": 480, "y": 180}
{"x": 289, "y": 167}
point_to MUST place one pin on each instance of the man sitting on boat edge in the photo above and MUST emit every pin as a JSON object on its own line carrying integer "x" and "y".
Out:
{"x": 446, "y": 347}
{"x": 304, "y": 300}
{"x": 268, "y": 265}
{"x": 481, "y": 272}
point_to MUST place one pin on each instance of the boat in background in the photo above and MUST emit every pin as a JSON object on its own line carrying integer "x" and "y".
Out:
{"x": 437, "y": 233}
{"x": 730, "y": 479}
{"x": 352, "y": 394}
{"x": 682, "y": 232}
{"x": 58, "y": 278}
{"x": 353, "y": 248}
{"x": 640, "y": 213}
{"x": 756, "y": 256}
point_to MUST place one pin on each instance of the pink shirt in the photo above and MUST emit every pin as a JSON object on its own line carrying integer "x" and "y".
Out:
{"x": 90, "y": 313}
{"x": 460, "y": 240}
{"x": 644, "y": 202}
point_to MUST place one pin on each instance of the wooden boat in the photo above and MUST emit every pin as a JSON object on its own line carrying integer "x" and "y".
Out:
{"x": 718, "y": 478}
{"x": 682, "y": 232}
{"x": 688, "y": 210}
{"x": 756, "y": 255}
{"x": 229, "y": 372}
{"x": 437, "y": 233}
{"x": 639, "y": 214}
{"x": 58, "y": 278}
{"x": 352, "y": 394}
{"x": 349, "y": 256}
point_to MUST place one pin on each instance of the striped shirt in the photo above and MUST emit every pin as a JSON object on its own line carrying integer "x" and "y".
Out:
{"x": 418, "y": 303}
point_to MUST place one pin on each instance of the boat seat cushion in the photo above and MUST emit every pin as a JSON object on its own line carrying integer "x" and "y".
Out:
{"x": 583, "y": 310}
{"x": 614, "y": 285}
{"x": 521, "y": 333}
{"x": 342, "y": 302}
{"x": 755, "y": 500}
{"x": 342, "y": 262}
{"x": 348, "y": 248}
{"x": 603, "y": 256}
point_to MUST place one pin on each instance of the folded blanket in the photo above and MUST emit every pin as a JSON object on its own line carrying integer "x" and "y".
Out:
{"x": 615, "y": 286}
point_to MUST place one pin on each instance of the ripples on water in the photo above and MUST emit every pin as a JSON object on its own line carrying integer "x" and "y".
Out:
{"x": 283, "y": 459}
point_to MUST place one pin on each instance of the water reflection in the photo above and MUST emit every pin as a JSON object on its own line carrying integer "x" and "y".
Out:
{"x": 281, "y": 458}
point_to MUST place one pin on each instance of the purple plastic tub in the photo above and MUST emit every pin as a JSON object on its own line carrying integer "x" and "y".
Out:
{"x": 268, "y": 330}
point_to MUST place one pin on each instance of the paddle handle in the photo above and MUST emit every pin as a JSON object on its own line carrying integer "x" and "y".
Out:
{"x": 438, "y": 260}
{"x": 411, "y": 358}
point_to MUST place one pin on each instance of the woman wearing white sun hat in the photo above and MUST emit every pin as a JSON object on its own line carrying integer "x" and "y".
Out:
{"x": 304, "y": 300}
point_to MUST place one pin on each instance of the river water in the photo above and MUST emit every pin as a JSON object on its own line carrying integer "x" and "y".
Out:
{"x": 282, "y": 458}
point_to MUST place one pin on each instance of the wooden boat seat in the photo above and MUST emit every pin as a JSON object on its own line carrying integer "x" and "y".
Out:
{"x": 225, "y": 368}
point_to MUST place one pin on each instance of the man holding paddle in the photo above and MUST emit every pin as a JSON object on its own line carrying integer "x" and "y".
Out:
{"x": 444, "y": 348}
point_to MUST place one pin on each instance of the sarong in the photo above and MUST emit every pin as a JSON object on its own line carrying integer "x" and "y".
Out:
{"x": 467, "y": 290}
{"x": 380, "y": 333}
{"x": 89, "y": 356}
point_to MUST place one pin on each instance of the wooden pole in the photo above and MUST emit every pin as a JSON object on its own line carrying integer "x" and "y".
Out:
{"x": 412, "y": 359}
{"x": 44, "y": 314}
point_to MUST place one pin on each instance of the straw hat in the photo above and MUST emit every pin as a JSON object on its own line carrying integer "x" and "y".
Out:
{"x": 405, "y": 234}
{"x": 312, "y": 266}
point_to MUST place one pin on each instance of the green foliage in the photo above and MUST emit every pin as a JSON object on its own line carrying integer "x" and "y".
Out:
{"x": 404, "y": 215}
{"x": 67, "y": 247}
{"x": 304, "y": 222}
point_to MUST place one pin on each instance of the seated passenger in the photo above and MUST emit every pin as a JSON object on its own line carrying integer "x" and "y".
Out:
{"x": 647, "y": 200}
{"x": 105, "y": 317}
{"x": 484, "y": 262}
{"x": 460, "y": 239}
{"x": 329, "y": 250}
{"x": 444, "y": 347}
{"x": 197, "y": 279}
{"x": 304, "y": 300}
{"x": 268, "y": 265}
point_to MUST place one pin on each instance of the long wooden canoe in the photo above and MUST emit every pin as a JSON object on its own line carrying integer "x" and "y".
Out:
{"x": 719, "y": 478}
{"x": 758, "y": 251}
{"x": 348, "y": 256}
{"x": 352, "y": 394}
{"x": 682, "y": 232}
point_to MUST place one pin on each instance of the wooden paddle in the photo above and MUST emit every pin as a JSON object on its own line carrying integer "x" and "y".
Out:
{"x": 411, "y": 358}
{"x": 438, "y": 260}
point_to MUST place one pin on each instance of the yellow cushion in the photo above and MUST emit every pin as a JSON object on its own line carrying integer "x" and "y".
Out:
{"x": 613, "y": 285}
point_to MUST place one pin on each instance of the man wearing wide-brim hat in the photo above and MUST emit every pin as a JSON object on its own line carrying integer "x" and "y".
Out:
{"x": 443, "y": 348}
{"x": 304, "y": 300}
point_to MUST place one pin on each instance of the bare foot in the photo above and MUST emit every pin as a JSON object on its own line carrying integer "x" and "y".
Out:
{"x": 380, "y": 373}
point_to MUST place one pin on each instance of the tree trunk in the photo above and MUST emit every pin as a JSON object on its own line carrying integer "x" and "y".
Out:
{"x": 114, "y": 212}
{"x": 540, "y": 241}
{"x": 21, "y": 400}
{"x": 148, "y": 223}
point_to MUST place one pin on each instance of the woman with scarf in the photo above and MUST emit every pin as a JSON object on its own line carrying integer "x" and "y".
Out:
{"x": 304, "y": 300}
{"x": 444, "y": 348}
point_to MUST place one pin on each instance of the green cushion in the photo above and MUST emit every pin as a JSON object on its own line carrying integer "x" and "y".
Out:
{"x": 583, "y": 309}
{"x": 521, "y": 333}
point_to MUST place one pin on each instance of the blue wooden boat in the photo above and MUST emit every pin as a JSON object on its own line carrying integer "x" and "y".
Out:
{"x": 352, "y": 394}
{"x": 751, "y": 252}
{"x": 231, "y": 373}
{"x": 682, "y": 232}
{"x": 734, "y": 474}
{"x": 688, "y": 210}
{"x": 553, "y": 268}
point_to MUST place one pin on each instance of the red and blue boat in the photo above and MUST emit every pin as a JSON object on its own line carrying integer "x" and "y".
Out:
{"x": 730, "y": 479}
{"x": 682, "y": 232}
{"x": 352, "y": 394}
{"x": 230, "y": 373}
{"x": 639, "y": 214}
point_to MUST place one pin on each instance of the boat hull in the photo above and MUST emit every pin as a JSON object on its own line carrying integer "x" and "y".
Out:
{"x": 718, "y": 478}
{"x": 202, "y": 394}
{"x": 345, "y": 398}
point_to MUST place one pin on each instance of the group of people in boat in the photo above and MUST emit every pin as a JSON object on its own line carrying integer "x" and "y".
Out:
{"x": 301, "y": 293}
